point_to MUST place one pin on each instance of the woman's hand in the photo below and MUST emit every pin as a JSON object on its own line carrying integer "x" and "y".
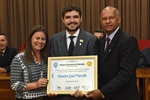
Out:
{"x": 42, "y": 82}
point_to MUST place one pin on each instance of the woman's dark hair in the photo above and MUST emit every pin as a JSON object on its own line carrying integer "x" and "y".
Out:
{"x": 28, "y": 48}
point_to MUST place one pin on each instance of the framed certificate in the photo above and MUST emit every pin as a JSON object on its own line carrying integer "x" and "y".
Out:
{"x": 70, "y": 73}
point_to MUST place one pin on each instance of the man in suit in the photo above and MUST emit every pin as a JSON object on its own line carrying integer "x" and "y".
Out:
{"x": 84, "y": 42}
{"x": 6, "y": 54}
{"x": 144, "y": 58}
{"x": 117, "y": 61}
{"x": 99, "y": 33}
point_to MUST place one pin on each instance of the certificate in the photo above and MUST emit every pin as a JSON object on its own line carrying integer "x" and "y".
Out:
{"x": 70, "y": 73}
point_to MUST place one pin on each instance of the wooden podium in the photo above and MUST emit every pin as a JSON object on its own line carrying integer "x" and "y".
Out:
{"x": 143, "y": 82}
{"x": 6, "y": 93}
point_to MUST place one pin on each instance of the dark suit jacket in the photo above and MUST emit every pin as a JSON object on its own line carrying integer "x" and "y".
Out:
{"x": 117, "y": 68}
{"x": 58, "y": 44}
{"x": 7, "y": 58}
{"x": 144, "y": 58}
{"x": 58, "y": 47}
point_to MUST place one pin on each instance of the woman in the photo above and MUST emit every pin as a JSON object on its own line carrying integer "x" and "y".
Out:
{"x": 29, "y": 68}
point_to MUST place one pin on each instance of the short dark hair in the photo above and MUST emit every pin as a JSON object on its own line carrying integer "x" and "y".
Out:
{"x": 4, "y": 35}
{"x": 99, "y": 31}
{"x": 70, "y": 8}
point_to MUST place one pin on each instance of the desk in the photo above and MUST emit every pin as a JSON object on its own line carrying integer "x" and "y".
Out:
{"x": 6, "y": 93}
{"x": 143, "y": 82}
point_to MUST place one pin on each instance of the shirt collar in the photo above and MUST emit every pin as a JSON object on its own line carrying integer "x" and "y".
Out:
{"x": 75, "y": 34}
{"x": 4, "y": 51}
{"x": 112, "y": 34}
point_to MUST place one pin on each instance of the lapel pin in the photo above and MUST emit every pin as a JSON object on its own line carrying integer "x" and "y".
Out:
{"x": 81, "y": 40}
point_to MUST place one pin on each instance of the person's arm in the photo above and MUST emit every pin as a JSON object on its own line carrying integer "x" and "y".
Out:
{"x": 2, "y": 70}
{"x": 16, "y": 73}
{"x": 13, "y": 53}
{"x": 42, "y": 82}
{"x": 93, "y": 46}
{"x": 17, "y": 77}
{"x": 51, "y": 42}
{"x": 95, "y": 94}
{"x": 6, "y": 69}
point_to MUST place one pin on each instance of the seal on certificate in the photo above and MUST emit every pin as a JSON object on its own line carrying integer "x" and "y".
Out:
{"x": 89, "y": 63}
{"x": 55, "y": 64}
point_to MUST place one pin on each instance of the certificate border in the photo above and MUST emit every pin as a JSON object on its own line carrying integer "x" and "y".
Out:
{"x": 69, "y": 58}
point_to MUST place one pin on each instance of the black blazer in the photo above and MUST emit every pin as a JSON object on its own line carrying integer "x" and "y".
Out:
{"x": 117, "y": 68}
{"x": 7, "y": 58}
{"x": 144, "y": 58}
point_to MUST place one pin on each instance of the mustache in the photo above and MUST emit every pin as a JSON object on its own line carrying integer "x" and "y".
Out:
{"x": 72, "y": 23}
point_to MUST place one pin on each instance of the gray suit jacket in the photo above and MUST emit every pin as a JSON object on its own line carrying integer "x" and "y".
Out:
{"x": 58, "y": 44}
{"x": 58, "y": 47}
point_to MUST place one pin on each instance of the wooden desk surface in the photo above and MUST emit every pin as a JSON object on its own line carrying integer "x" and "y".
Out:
{"x": 4, "y": 76}
{"x": 143, "y": 73}
{"x": 6, "y": 93}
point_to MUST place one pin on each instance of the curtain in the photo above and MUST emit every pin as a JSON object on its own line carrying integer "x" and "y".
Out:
{"x": 17, "y": 17}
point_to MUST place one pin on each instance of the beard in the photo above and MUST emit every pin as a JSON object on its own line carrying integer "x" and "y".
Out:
{"x": 72, "y": 30}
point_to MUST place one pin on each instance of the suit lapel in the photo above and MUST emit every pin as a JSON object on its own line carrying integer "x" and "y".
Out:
{"x": 79, "y": 43}
{"x": 102, "y": 46}
{"x": 64, "y": 43}
{"x": 111, "y": 46}
{"x": 109, "y": 50}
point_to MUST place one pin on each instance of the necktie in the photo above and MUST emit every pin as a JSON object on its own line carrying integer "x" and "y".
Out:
{"x": 1, "y": 53}
{"x": 71, "y": 46}
{"x": 108, "y": 41}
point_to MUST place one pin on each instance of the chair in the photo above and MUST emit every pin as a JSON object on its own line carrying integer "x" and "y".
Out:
{"x": 145, "y": 81}
{"x": 22, "y": 47}
{"x": 143, "y": 44}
